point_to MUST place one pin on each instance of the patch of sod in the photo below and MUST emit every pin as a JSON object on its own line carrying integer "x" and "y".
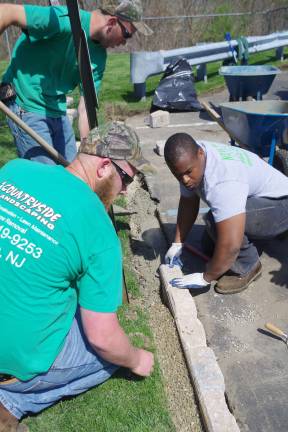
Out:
{"x": 124, "y": 403}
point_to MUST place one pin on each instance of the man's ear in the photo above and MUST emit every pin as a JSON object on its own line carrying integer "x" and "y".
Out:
{"x": 200, "y": 152}
{"x": 104, "y": 169}
{"x": 111, "y": 23}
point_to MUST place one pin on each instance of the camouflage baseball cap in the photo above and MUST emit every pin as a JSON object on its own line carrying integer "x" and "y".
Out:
{"x": 128, "y": 10}
{"x": 115, "y": 141}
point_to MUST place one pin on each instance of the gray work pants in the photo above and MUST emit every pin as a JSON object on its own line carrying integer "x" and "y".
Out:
{"x": 265, "y": 218}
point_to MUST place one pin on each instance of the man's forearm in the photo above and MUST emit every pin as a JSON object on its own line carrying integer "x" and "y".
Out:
{"x": 11, "y": 14}
{"x": 228, "y": 243}
{"x": 187, "y": 213}
{"x": 109, "y": 341}
{"x": 118, "y": 350}
{"x": 222, "y": 260}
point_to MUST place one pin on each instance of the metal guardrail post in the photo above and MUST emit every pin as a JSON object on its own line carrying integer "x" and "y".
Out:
{"x": 140, "y": 91}
{"x": 201, "y": 72}
{"x": 142, "y": 65}
{"x": 280, "y": 53}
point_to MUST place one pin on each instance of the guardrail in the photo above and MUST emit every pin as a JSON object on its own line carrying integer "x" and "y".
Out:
{"x": 144, "y": 64}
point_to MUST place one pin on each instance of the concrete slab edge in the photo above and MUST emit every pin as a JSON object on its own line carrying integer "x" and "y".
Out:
{"x": 204, "y": 370}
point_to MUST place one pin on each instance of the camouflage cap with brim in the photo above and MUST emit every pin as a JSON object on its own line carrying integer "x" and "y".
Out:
{"x": 128, "y": 10}
{"x": 116, "y": 141}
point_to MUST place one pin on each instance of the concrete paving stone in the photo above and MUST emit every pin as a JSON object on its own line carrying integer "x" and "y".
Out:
{"x": 159, "y": 119}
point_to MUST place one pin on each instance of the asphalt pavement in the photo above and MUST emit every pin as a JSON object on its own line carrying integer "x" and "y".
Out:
{"x": 253, "y": 362}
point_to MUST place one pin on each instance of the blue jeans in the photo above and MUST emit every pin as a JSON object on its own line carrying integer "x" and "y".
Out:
{"x": 76, "y": 369}
{"x": 57, "y": 132}
{"x": 265, "y": 219}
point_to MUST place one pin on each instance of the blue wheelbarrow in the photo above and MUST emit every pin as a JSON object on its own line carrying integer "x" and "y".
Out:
{"x": 248, "y": 81}
{"x": 261, "y": 127}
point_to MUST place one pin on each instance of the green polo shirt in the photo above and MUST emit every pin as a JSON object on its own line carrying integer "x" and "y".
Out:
{"x": 58, "y": 248}
{"x": 43, "y": 68}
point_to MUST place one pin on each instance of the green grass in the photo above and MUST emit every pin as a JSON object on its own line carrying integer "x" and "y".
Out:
{"x": 7, "y": 148}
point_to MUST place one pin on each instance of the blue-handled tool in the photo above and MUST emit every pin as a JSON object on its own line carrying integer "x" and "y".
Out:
{"x": 232, "y": 49}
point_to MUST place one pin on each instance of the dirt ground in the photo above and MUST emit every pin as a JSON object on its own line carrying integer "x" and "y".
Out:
{"x": 149, "y": 246}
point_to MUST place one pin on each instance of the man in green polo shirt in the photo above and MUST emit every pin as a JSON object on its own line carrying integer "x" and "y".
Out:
{"x": 61, "y": 275}
{"x": 44, "y": 69}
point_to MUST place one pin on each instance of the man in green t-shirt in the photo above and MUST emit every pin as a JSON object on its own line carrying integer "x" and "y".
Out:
{"x": 61, "y": 275}
{"x": 44, "y": 69}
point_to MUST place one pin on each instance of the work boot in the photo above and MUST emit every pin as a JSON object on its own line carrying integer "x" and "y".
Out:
{"x": 231, "y": 284}
{"x": 9, "y": 423}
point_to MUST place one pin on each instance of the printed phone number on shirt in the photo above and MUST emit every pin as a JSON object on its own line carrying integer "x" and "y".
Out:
{"x": 20, "y": 242}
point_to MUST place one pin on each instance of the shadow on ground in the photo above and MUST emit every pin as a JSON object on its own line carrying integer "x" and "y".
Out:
{"x": 148, "y": 247}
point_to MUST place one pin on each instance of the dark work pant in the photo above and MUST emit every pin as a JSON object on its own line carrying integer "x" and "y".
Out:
{"x": 265, "y": 218}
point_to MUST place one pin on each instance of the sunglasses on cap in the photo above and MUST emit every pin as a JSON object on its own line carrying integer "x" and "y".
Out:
{"x": 125, "y": 33}
{"x": 125, "y": 177}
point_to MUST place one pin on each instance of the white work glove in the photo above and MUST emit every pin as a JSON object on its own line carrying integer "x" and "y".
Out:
{"x": 193, "y": 280}
{"x": 172, "y": 256}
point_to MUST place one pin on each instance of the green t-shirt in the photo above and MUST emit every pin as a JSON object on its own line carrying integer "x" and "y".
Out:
{"x": 43, "y": 68}
{"x": 58, "y": 248}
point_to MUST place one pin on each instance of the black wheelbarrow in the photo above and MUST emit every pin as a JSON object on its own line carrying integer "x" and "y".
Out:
{"x": 248, "y": 81}
{"x": 261, "y": 127}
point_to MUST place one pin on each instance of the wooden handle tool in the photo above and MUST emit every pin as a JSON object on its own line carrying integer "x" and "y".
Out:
{"x": 196, "y": 252}
{"x": 278, "y": 332}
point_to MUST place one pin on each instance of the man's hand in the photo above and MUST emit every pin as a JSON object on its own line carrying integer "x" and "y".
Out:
{"x": 108, "y": 339}
{"x": 145, "y": 363}
{"x": 172, "y": 256}
{"x": 194, "y": 280}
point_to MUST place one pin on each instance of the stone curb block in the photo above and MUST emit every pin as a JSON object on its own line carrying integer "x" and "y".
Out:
{"x": 159, "y": 119}
{"x": 206, "y": 375}
{"x": 210, "y": 388}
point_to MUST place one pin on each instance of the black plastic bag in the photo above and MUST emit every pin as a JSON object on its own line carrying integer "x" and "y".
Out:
{"x": 175, "y": 91}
